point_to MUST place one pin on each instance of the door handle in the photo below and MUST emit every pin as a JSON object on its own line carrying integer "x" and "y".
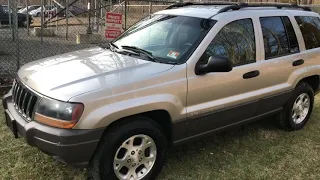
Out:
{"x": 298, "y": 62}
{"x": 251, "y": 74}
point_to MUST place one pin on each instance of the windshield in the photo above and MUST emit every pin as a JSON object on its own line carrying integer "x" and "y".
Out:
{"x": 168, "y": 38}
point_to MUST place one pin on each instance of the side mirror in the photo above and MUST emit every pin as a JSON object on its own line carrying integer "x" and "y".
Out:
{"x": 215, "y": 64}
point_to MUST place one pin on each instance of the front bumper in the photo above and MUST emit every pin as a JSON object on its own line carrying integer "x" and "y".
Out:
{"x": 70, "y": 146}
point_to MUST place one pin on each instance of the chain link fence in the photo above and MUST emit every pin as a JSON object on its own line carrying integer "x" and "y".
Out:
{"x": 60, "y": 26}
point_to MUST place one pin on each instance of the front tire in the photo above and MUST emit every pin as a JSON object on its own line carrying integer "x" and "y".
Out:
{"x": 134, "y": 149}
{"x": 298, "y": 109}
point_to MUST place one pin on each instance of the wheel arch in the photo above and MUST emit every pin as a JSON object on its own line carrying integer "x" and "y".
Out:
{"x": 313, "y": 81}
{"x": 159, "y": 116}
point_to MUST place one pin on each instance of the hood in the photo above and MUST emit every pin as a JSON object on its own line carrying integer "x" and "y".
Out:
{"x": 65, "y": 76}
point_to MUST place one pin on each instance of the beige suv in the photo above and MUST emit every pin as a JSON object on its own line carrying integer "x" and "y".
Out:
{"x": 177, "y": 75}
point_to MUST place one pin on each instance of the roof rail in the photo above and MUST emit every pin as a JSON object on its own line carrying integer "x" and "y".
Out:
{"x": 279, "y": 6}
{"x": 237, "y": 6}
{"x": 177, "y": 5}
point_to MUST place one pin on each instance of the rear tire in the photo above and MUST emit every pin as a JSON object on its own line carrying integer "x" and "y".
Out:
{"x": 136, "y": 148}
{"x": 298, "y": 109}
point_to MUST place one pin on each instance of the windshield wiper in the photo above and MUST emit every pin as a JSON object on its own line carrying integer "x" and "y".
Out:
{"x": 108, "y": 45}
{"x": 112, "y": 44}
{"x": 139, "y": 50}
{"x": 147, "y": 53}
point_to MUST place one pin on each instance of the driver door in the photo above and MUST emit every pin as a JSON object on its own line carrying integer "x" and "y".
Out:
{"x": 220, "y": 99}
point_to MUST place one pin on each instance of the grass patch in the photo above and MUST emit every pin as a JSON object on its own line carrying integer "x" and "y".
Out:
{"x": 256, "y": 151}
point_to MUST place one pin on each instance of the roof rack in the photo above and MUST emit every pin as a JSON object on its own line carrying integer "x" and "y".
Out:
{"x": 279, "y": 6}
{"x": 177, "y": 5}
{"x": 237, "y": 6}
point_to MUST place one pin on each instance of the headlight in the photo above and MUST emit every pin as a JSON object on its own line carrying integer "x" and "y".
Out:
{"x": 57, "y": 113}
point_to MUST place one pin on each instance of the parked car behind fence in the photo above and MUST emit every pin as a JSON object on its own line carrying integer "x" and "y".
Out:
{"x": 4, "y": 17}
{"x": 29, "y": 9}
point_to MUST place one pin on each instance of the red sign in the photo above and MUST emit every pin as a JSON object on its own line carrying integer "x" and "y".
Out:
{"x": 112, "y": 34}
{"x": 113, "y": 25}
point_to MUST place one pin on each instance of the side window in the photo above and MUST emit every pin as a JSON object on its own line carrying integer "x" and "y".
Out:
{"x": 278, "y": 36}
{"x": 235, "y": 41}
{"x": 310, "y": 29}
{"x": 293, "y": 42}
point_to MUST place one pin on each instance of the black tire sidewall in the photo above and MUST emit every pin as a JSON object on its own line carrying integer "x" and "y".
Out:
{"x": 301, "y": 88}
{"x": 128, "y": 130}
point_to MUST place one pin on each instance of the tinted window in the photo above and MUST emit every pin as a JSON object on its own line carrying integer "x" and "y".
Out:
{"x": 293, "y": 42}
{"x": 274, "y": 37}
{"x": 235, "y": 41}
{"x": 310, "y": 28}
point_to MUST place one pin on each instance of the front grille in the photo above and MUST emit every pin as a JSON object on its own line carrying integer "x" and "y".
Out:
{"x": 24, "y": 100}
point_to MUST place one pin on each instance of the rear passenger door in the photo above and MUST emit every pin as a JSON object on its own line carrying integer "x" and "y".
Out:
{"x": 282, "y": 58}
{"x": 309, "y": 25}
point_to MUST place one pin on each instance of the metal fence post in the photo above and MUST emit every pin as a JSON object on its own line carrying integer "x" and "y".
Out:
{"x": 101, "y": 15}
{"x": 56, "y": 11}
{"x": 89, "y": 30}
{"x": 27, "y": 4}
{"x": 41, "y": 21}
{"x": 101, "y": 11}
{"x": 67, "y": 19}
{"x": 10, "y": 18}
{"x": 14, "y": 18}
{"x": 15, "y": 29}
{"x": 150, "y": 7}
{"x": 95, "y": 27}
{"x": 125, "y": 14}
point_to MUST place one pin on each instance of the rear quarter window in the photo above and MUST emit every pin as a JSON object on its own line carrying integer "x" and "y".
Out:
{"x": 310, "y": 29}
